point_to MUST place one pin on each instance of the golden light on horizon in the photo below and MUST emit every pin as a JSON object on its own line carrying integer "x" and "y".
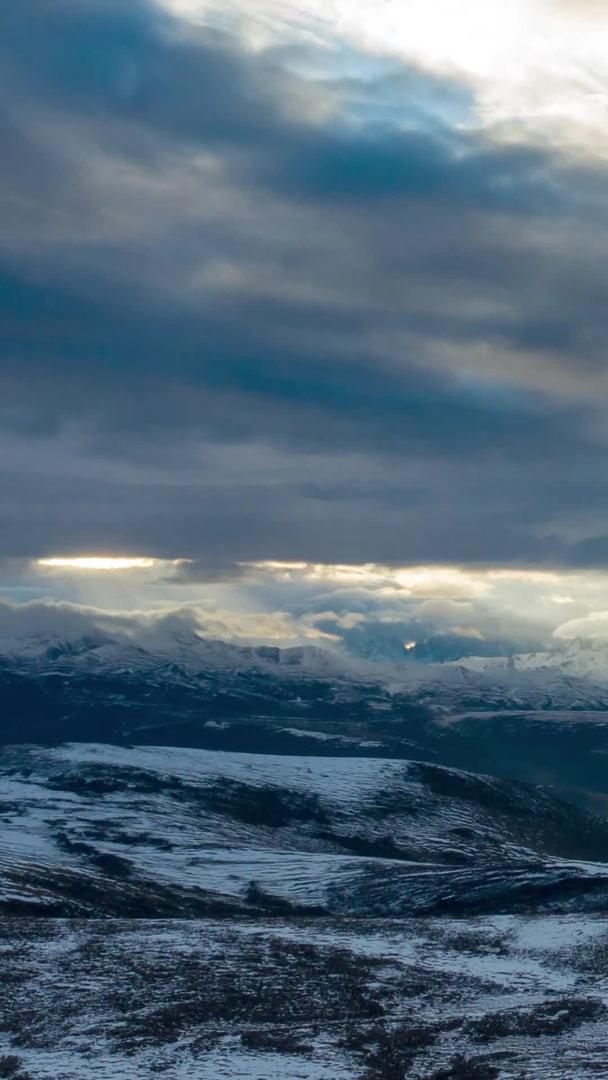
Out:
{"x": 97, "y": 562}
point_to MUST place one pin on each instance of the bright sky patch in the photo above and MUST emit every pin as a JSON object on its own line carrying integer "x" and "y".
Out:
{"x": 97, "y": 562}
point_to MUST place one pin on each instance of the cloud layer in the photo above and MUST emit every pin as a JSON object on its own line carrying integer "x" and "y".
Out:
{"x": 284, "y": 298}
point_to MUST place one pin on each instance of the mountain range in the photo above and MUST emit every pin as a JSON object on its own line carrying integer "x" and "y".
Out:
{"x": 540, "y": 718}
{"x": 583, "y": 658}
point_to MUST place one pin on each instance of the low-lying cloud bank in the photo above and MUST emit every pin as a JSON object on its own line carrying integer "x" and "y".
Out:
{"x": 54, "y": 620}
{"x": 368, "y": 611}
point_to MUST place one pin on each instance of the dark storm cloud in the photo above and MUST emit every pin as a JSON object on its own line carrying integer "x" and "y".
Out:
{"x": 244, "y": 318}
{"x": 118, "y": 65}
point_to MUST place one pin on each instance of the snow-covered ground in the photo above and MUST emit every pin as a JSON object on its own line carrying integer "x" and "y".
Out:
{"x": 268, "y": 949}
{"x": 495, "y": 997}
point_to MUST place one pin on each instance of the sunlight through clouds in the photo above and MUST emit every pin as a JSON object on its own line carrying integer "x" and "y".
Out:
{"x": 96, "y": 562}
{"x": 537, "y": 66}
{"x": 349, "y": 607}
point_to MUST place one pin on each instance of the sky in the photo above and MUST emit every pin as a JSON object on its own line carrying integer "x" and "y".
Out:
{"x": 299, "y": 299}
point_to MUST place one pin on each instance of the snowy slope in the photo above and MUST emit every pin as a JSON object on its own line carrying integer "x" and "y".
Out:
{"x": 154, "y": 830}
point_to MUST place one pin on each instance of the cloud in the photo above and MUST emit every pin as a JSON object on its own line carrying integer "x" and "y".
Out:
{"x": 594, "y": 625}
{"x": 66, "y": 621}
{"x": 260, "y": 304}
{"x": 364, "y": 636}
{"x": 534, "y": 70}
{"x": 367, "y": 611}
{"x": 197, "y": 571}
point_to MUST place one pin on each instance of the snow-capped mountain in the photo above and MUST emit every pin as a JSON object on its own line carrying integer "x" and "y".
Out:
{"x": 154, "y": 647}
{"x": 584, "y": 658}
{"x": 185, "y": 651}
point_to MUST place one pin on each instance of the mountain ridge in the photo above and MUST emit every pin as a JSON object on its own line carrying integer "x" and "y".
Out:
{"x": 580, "y": 658}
